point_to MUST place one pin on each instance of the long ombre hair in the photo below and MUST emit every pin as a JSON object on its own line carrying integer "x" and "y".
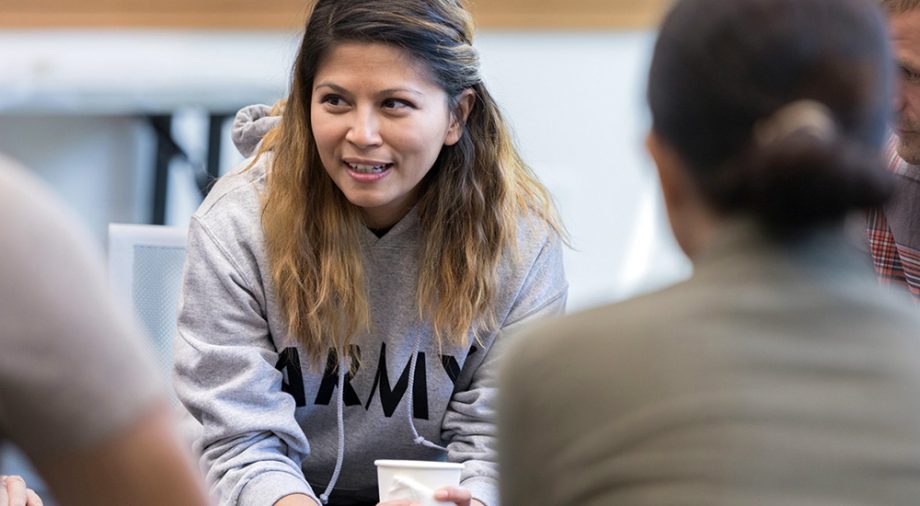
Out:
{"x": 470, "y": 203}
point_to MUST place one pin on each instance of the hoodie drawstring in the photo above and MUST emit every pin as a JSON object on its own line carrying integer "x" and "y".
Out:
{"x": 410, "y": 406}
{"x": 340, "y": 455}
{"x": 340, "y": 408}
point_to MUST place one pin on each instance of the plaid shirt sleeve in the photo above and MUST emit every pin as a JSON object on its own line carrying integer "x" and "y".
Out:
{"x": 884, "y": 252}
{"x": 895, "y": 262}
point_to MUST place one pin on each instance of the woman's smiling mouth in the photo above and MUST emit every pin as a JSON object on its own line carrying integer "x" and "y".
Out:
{"x": 362, "y": 168}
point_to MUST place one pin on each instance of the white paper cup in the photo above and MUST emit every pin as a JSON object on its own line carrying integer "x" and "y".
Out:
{"x": 415, "y": 479}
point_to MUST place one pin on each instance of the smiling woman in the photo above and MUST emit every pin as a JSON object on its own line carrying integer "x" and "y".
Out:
{"x": 386, "y": 218}
{"x": 380, "y": 122}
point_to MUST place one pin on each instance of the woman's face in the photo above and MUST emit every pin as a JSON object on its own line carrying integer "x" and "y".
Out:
{"x": 379, "y": 123}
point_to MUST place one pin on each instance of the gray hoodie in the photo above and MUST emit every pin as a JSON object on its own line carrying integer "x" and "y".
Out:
{"x": 274, "y": 427}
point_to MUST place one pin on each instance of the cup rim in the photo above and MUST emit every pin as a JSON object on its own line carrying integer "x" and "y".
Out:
{"x": 418, "y": 464}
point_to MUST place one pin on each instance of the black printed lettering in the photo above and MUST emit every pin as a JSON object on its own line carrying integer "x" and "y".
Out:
{"x": 390, "y": 397}
{"x": 292, "y": 375}
{"x": 331, "y": 381}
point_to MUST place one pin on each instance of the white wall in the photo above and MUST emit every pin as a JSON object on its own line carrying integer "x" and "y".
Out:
{"x": 575, "y": 101}
{"x": 99, "y": 165}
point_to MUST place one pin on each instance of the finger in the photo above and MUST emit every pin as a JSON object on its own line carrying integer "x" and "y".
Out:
{"x": 32, "y": 498}
{"x": 16, "y": 488}
{"x": 4, "y": 496}
{"x": 453, "y": 494}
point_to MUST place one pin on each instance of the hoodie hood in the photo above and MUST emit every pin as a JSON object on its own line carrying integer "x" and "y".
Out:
{"x": 250, "y": 125}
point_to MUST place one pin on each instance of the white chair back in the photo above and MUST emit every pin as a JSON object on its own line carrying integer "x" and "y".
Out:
{"x": 145, "y": 271}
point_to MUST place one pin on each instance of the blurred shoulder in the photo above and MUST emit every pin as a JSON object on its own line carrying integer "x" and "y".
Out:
{"x": 610, "y": 333}
{"x": 33, "y": 218}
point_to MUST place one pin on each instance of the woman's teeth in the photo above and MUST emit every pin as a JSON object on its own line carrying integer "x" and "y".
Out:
{"x": 369, "y": 169}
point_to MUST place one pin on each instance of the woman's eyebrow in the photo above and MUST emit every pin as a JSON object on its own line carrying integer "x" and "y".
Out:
{"x": 403, "y": 90}
{"x": 338, "y": 89}
{"x": 334, "y": 87}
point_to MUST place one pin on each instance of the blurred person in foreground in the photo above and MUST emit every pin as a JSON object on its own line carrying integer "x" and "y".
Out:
{"x": 781, "y": 373}
{"x": 78, "y": 393}
{"x": 894, "y": 231}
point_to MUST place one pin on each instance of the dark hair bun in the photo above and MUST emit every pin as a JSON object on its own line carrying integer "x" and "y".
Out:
{"x": 783, "y": 119}
{"x": 800, "y": 171}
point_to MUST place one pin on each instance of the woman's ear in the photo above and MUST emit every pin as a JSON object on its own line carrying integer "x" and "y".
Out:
{"x": 458, "y": 116}
{"x": 692, "y": 220}
{"x": 671, "y": 174}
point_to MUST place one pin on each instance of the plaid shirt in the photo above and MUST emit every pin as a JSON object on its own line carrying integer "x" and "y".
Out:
{"x": 894, "y": 230}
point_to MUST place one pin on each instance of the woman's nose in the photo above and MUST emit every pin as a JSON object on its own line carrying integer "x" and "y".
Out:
{"x": 364, "y": 130}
